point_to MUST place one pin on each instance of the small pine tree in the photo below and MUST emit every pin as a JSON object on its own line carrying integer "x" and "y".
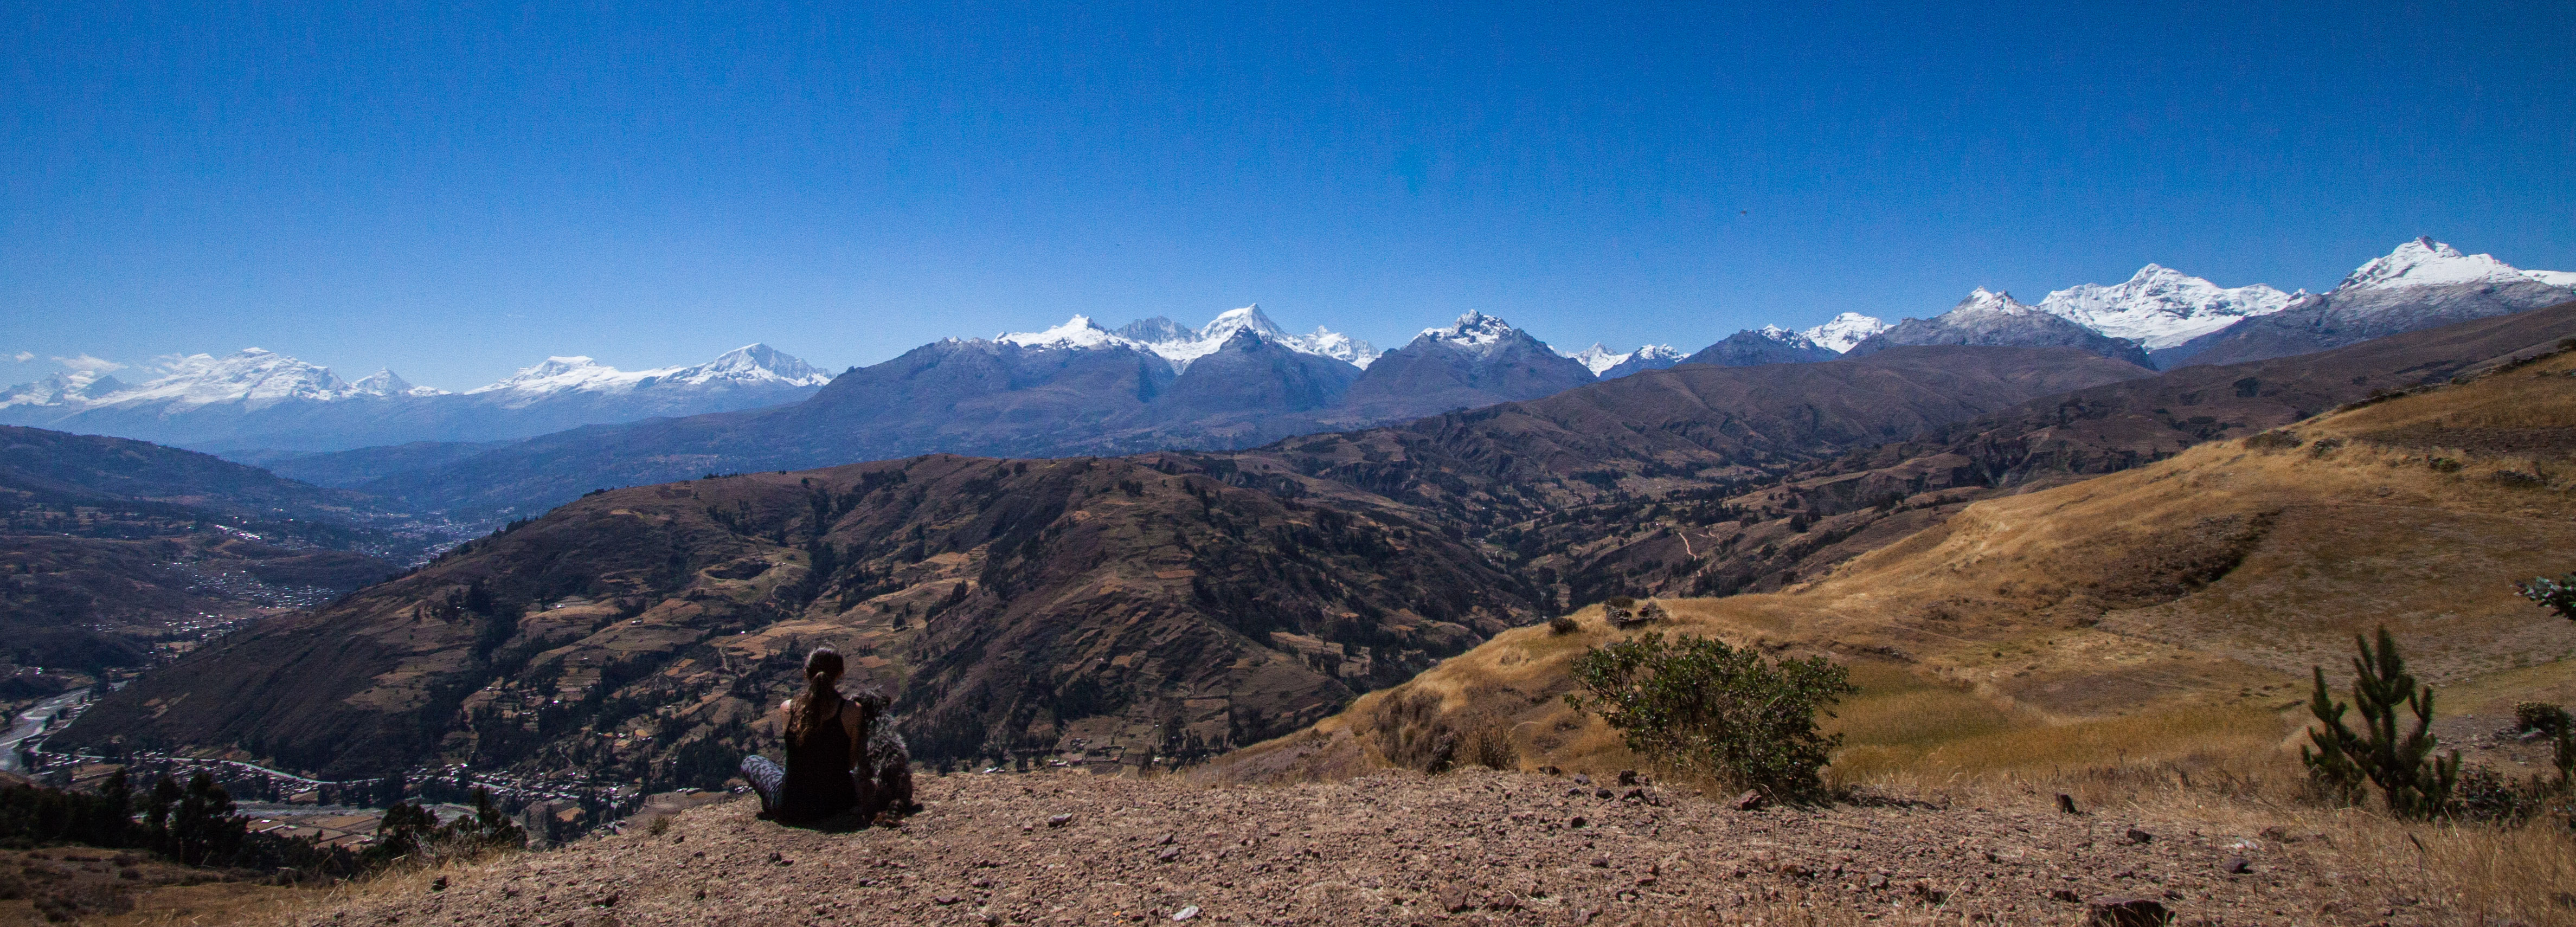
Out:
{"x": 2415, "y": 783}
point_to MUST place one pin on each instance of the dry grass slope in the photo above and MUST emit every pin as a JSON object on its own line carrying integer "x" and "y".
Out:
{"x": 2157, "y": 623}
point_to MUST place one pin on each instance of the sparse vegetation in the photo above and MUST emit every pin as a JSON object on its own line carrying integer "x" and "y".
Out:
{"x": 2557, "y": 595}
{"x": 2414, "y": 782}
{"x": 1563, "y": 624}
{"x": 1700, "y": 707}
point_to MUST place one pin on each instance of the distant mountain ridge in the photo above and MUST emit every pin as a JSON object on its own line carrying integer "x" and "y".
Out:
{"x": 1994, "y": 319}
{"x": 265, "y": 407}
{"x": 2422, "y": 284}
{"x": 259, "y": 399}
{"x": 1075, "y": 389}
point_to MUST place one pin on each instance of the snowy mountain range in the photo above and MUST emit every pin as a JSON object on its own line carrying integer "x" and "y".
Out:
{"x": 1227, "y": 381}
{"x": 2161, "y": 307}
{"x": 1995, "y": 319}
{"x": 1842, "y": 331}
{"x": 257, "y": 398}
{"x": 2421, "y": 284}
{"x": 2177, "y": 318}
{"x": 1166, "y": 339}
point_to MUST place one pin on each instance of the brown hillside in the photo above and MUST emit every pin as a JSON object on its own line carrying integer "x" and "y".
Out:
{"x": 2167, "y": 611}
{"x": 1768, "y": 534}
{"x": 1009, "y": 605}
{"x": 1161, "y": 606}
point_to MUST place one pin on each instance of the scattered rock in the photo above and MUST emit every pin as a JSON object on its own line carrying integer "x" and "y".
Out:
{"x": 1186, "y": 913}
{"x": 2236, "y": 865}
{"x": 2126, "y": 911}
{"x": 1453, "y": 899}
{"x": 1627, "y": 777}
{"x": 2065, "y": 894}
{"x": 1581, "y": 779}
{"x": 438, "y": 884}
{"x": 2066, "y": 804}
{"x": 1169, "y": 854}
{"x": 945, "y": 899}
{"x": 1576, "y": 821}
{"x": 2139, "y": 836}
{"x": 1060, "y": 820}
{"x": 1749, "y": 801}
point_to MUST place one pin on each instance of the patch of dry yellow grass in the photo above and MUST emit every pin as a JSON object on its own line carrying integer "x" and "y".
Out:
{"x": 2026, "y": 647}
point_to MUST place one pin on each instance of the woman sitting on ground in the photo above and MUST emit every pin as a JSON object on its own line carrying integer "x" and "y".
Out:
{"x": 829, "y": 740}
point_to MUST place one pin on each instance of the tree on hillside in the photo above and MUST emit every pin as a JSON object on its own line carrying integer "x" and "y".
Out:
{"x": 2415, "y": 783}
{"x": 1699, "y": 707}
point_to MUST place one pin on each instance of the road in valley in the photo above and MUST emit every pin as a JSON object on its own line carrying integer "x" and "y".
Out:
{"x": 31, "y": 723}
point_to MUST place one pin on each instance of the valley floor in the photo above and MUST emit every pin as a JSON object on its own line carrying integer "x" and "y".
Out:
{"x": 1402, "y": 848}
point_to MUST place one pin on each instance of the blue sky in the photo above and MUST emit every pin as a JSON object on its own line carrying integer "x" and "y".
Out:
{"x": 459, "y": 189}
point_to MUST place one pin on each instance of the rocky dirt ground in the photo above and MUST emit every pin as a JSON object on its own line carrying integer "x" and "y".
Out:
{"x": 1398, "y": 848}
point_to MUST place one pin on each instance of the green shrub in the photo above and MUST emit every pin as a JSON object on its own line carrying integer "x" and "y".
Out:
{"x": 1699, "y": 707}
{"x": 2557, "y": 595}
{"x": 2272, "y": 441}
{"x": 2540, "y": 716}
{"x": 2415, "y": 783}
{"x": 1563, "y": 624}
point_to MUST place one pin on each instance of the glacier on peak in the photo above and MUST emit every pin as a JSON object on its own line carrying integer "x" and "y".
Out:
{"x": 69, "y": 388}
{"x": 1993, "y": 301}
{"x": 385, "y": 382}
{"x": 749, "y": 365}
{"x": 1077, "y": 332}
{"x": 2425, "y": 262}
{"x": 253, "y": 377}
{"x": 2160, "y": 307}
{"x": 1476, "y": 333}
{"x": 1180, "y": 345}
{"x": 1601, "y": 360}
{"x": 1839, "y": 333}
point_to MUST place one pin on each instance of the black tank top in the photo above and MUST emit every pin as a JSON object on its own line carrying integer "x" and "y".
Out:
{"x": 818, "y": 774}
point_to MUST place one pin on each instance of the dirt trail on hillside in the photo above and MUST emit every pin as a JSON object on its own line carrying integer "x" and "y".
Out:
{"x": 1481, "y": 847}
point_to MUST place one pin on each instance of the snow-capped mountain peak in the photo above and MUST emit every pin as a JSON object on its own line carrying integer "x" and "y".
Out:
{"x": 2160, "y": 307}
{"x": 1180, "y": 345}
{"x": 1353, "y": 351}
{"x": 1596, "y": 358}
{"x": 72, "y": 388}
{"x": 1993, "y": 301}
{"x": 1839, "y": 333}
{"x": 751, "y": 363}
{"x": 2425, "y": 262}
{"x": 2558, "y": 278}
{"x": 1476, "y": 332}
{"x": 1077, "y": 332}
{"x": 253, "y": 376}
{"x": 1601, "y": 360}
{"x": 384, "y": 382}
